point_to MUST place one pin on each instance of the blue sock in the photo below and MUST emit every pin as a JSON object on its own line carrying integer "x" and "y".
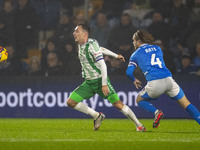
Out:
{"x": 191, "y": 109}
{"x": 148, "y": 106}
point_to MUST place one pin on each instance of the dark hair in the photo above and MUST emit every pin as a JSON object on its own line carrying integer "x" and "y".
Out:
{"x": 125, "y": 15}
{"x": 84, "y": 27}
{"x": 9, "y": 1}
{"x": 143, "y": 36}
{"x": 186, "y": 55}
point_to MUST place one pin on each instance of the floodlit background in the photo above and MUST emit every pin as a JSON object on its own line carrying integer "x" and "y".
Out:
{"x": 43, "y": 69}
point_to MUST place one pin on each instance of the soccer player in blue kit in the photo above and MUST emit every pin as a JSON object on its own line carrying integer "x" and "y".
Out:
{"x": 149, "y": 58}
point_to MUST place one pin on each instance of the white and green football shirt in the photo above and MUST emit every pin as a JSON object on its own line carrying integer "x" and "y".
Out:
{"x": 89, "y": 54}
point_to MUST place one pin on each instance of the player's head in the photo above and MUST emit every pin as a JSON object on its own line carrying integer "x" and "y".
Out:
{"x": 81, "y": 33}
{"x": 142, "y": 37}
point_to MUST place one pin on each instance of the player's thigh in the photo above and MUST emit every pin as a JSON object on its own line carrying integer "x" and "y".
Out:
{"x": 175, "y": 92}
{"x": 84, "y": 91}
{"x": 112, "y": 96}
{"x": 153, "y": 90}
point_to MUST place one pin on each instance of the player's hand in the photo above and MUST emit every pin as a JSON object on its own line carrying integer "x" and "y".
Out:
{"x": 121, "y": 57}
{"x": 105, "y": 90}
{"x": 137, "y": 83}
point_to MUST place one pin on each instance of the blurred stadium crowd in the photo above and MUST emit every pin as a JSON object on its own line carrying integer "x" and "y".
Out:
{"x": 38, "y": 34}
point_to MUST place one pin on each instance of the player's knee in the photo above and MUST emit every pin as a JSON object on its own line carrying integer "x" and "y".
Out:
{"x": 70, "y": 103}
{"x": 119, "y": 105}
{"x": 139, "y": 99}
{"x": 184, "y": 102}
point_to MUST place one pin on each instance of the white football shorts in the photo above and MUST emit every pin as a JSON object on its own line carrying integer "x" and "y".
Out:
{"x": 156, "y": 88}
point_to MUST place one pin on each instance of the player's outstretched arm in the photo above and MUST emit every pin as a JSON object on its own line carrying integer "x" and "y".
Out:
{"x": 105, "y": 51}
{"x": 121, "y": 57}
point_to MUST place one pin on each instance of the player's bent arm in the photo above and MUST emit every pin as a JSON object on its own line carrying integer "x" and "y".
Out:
{"x": 105, "y": 51}
{"x": 103, "y": 71}
{"x": 129, "y": 72}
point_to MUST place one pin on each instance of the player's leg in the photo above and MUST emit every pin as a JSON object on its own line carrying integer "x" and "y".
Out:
{"x": 145, "y": 104}
{"x": 130, "y": 114}
{"x": 80, "y": 106}
{"x": 152, "y": 91}
{"x": 74, "y": 101}
{"x": 114, "y": 99}
{"x": 190, "y": 108}
{"x": 177, "y": 94}
{"x": 158, "y": 114}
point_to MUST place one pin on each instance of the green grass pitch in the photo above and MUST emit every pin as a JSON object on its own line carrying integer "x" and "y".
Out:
{"x": 114, "y": 134}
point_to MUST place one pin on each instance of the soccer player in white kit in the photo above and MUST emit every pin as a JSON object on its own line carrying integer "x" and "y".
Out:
{"x": 149, "y": 58}
{"x": 94, "y": 71}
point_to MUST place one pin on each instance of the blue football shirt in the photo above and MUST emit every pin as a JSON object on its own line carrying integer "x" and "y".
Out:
{"x": 150, "y": 60}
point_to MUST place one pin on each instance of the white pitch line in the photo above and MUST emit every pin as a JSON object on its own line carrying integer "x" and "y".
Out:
{"x": 12, "y": 140}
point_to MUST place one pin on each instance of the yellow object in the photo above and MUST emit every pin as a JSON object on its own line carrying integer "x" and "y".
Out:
{"x": 3, "y": 54}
